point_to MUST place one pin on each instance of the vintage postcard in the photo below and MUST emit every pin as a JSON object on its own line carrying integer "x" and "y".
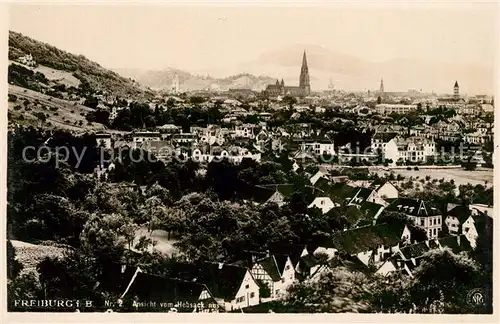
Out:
{"x": 250, "y": 159}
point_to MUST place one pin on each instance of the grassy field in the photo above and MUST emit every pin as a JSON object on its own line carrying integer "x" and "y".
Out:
{"x": 65, "y": 114}
{"x": 163, "y": 244}
{"x": 460, "y": 176}
{"x": 62, "y": 77}
{"x": 29, "y": 255}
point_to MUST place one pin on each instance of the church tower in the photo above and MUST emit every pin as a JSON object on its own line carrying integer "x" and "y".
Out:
{"x": 381, "y": 86}
{"x": 304, "y": 76}
{"x": 456, "y": 92}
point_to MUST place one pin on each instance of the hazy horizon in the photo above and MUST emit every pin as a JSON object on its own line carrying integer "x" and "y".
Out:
{"x": 221, "y": 40}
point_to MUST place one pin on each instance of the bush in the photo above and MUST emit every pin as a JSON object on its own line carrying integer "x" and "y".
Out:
{"x": 12, "y": 98}
{"x": 408, "y": 168}
{"x": 415, "y": 168}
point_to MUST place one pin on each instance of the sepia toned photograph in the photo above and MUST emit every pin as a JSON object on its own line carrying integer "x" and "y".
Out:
{"x": 250, "y": 159}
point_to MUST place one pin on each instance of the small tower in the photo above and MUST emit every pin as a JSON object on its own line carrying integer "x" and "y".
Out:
{"x": 381, "y": 86}
{"x": 330, "y": 85}
{"x": 456, "y": 91}
{"x": 175, "y": 84}
{"x": 282, "y": 83}
{"x": 277, "y": 82}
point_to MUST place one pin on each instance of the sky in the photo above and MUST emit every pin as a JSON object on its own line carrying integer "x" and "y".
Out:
{"x": 195, "y": 37}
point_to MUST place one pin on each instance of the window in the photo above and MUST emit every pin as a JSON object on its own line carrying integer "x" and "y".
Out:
{"x": 434, "y": 231}
{"x": 439, "y": 220}
{"x": 287, "y": 267}
{"x": 247, "y": 286}
{"x": 422, "y": 222}
{"x": 252, "y": 294}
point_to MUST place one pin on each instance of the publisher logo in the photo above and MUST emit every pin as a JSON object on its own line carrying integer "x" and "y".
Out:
{"x": 476, "y": 297}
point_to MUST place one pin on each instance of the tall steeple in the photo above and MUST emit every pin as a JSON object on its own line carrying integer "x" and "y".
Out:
{"x": 456, "y": 91}
{"x": 381, "y": 86}
{"x": 304, "y": 76}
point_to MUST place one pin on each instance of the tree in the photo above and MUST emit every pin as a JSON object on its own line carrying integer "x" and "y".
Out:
{"x": 14, "y": 267}
{"x": 337, "y": 290}
{"x": 446, "y": 277}
{"x": 91, "y": 102}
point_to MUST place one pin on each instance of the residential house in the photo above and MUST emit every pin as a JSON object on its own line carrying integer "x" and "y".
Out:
{"x": 317, "y": 176}
{"x": 366, "y": 195}
{"x": 477, "y": 225}
{"x": 150, "y": 293}
{"x": 385, "y": 143}
{"x": 318, "y": 147}
{"x": 455, "y": 218}
{"x": 371, "y": 244}
{"x": 416, "y": 149}
{"x": 233, "y": 287}
{"x": 385, "y": 190}
{"x": 307, "y": 265}
{"x": 423, "y": 214}
{"x": 277, "y": 272}
{"x": 324, "y": 203}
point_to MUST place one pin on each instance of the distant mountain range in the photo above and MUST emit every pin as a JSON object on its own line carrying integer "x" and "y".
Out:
{"x": 350, "y": 72}
{"x": 345, "y": 72}
{"x": 162, "y": 80}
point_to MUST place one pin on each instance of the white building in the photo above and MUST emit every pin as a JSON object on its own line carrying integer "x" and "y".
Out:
{"x": 387, "y": 109}
{"x": 319, "y": 147}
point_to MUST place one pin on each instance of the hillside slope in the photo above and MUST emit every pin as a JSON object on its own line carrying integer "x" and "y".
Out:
{"x": 82, "y": 68}
{"x": 162, "y": 80}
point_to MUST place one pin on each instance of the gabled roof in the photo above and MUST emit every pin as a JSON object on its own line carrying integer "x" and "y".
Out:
{"x": 414, "y": 250}
{"x": 271, "y": 267}
{"x": 281, "y": 262}
{"x": 223, "y": 280}
{"x": 483, "y": 222}
{"x": 155, "y": 288}
{"x": 116, "y": 277}
{"x": 261, "y": 194}
{"x": 460, "y": 212}
{"x": 365, "y": 238}
{"x": 362, "y": 193}
{"x": 340, "y": 190}
{"x": 370, "y": 209}
{"x": 456, "y": 243}
{"x": 412, "y": 207}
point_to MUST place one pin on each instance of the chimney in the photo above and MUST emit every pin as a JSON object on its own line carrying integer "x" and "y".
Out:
{"x": 267, "y": 254}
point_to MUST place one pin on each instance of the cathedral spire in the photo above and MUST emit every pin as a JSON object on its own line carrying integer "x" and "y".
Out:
{"x": 304, "y": 76}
